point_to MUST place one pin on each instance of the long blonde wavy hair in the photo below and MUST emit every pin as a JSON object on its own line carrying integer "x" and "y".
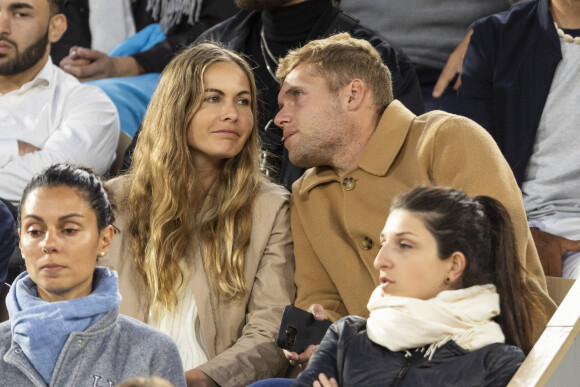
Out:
{"x": 162, "y": 177}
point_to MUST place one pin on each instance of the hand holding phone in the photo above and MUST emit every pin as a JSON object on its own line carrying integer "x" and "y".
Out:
{"x": 299, "y": 329}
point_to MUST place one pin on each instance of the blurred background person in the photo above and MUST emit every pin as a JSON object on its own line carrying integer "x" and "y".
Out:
{"x": 8, "y": 241}
{"x": 433, "y": 34}
{"x": 46, "y": 115}
{"x": 528, "y": 103}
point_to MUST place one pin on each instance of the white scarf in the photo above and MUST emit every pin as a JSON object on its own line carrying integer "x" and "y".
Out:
{"x": 168, "y": 13}
{"x": 464, "y": 316}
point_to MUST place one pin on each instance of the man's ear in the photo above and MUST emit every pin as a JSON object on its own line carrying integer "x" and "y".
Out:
{"x": 356, "y": 90}
{"x": 56, "y": 27}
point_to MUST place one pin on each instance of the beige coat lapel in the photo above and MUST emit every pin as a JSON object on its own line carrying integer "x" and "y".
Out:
{"x": 204, "y": 300}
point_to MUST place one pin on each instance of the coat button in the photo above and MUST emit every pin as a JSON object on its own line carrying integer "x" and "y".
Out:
{"x": 349, "y": 183}
{"x": 79, "y": 342}
{"x": 366, "y": 243}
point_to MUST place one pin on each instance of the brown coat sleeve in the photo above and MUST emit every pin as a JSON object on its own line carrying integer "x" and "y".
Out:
{"x": 470, "y": 160}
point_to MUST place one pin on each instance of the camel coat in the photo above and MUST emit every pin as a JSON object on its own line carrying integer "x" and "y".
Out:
{"x": 336, "y": 220}
{"x": 240, "y": 336}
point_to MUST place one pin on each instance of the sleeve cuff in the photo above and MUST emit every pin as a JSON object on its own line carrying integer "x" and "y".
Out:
{"x": 8, "y": 150}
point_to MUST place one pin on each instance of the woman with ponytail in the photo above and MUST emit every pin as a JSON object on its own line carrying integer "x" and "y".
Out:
{"x": 452, "y": 307}
{"x": 204, "y": 251}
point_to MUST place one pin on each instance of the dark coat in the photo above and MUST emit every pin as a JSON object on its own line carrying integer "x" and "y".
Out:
{"x": 8, "y": 241}
{"x": 348, "y": 355}
{"x": 508, "y": 69}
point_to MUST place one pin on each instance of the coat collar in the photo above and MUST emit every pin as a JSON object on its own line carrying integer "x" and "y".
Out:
{"x": 387, "y": 139}
{"x": 547, "y": 29}
{"x": 544, "y": 15}
{"x": 381, "y": 151}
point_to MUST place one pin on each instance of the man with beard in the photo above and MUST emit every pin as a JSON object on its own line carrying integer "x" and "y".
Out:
{"x": 266, "y": 29}
{"x": 46, "y": 115}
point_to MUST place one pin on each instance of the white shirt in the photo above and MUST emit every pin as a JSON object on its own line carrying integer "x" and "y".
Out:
{"x": 183, "y": 325}
{"x": 68, "y": 121}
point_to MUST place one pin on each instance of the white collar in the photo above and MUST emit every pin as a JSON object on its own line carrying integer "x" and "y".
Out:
{"x": 44, "y": 77}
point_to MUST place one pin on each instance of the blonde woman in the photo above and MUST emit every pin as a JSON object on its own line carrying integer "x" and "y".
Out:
{"x": 205, "y": 249}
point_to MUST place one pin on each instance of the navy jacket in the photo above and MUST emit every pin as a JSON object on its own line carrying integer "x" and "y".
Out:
{"x": 348, "y": 355}
{"x": 508, "y": 70}
{"x": 8, "y": 240}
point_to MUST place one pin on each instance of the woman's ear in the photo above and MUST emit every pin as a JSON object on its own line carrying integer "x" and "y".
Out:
{"x": 106, "y": 241}
{"x": 56, "y": 27}
{"x": 457, "y": 266}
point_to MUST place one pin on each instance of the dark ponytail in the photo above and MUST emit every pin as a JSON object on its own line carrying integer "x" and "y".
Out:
{"x": 517, "y": 299}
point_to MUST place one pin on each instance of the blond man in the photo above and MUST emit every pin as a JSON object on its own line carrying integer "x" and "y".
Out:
{"x": 363, "y": 148}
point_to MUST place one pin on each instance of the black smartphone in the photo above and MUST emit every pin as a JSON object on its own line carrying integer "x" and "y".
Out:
{"x": 299, "y": 329}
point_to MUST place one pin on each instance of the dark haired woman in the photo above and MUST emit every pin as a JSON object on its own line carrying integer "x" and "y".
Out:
{"x": 65, "y": 328}
{"x": 452, "y": 308}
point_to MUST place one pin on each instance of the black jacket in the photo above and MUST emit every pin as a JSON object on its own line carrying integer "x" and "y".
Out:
{"x": 236, "y": 33}
{"x": 348, "y": 355}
